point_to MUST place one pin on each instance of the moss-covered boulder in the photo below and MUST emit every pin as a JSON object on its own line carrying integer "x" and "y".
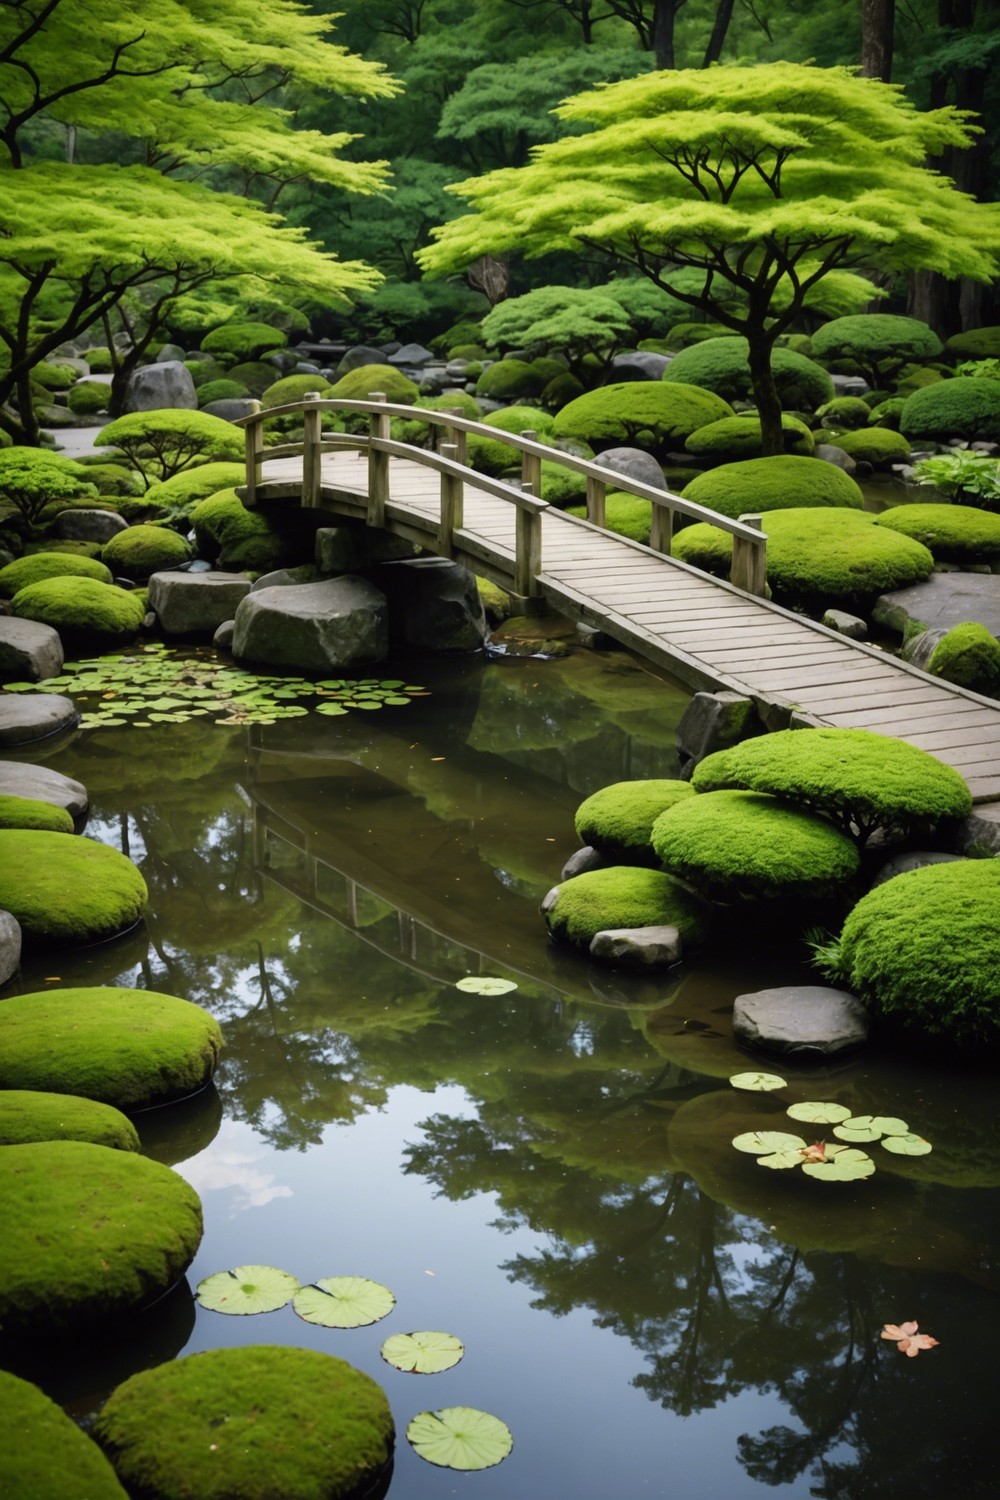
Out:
{"x": 562, "y": 487}
{"x": 975, "y": 343}
{"x": 847, "y": 412}
{"x": 185, "y": 490}
{"x": 33, "y": 1115}
{"x": 358, "y": 385}
{"x": 252, "y": 373}
{"x": 90, "y": 1234}
{"x": 44, "y": 1455}
{"x": 878, "y": 446}
{"x": 953, "y": 533}
{"x": 723, "y": 365}
{"x": 969, "y": 656}
{"x": 24, "y": 571}
{"x": 965, "y": 407}
{"x": 132, "y": 1049}
{"x": 513, "y": 380}
{"x": 618, "y": 820}
{"x": 67, "y": 891}
{"x": 142, "y": 550}
{"x": 248, "y": 1424}
{"x": 88, "y": 397}
{"x": 877, "y": 345}
{"x": 782, "y": 483}
{"x": 493, "y": 456}
{"x": 742, "y": 846}
{"x": 221, "y": 390}
{"x": 25, "y": 812}
{"x": 82, "y": 609}
{"x": 232, "y": 537}
{"x": 626, "y": 515}
{"x": 623, "y": 896}
{"x": 648, "y": 414}
{"x": 740, "y": 437}
{"x": 292, "y": 388}
{"x": 861, "y": 780}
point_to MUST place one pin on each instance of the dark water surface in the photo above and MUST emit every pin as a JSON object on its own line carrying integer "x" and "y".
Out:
{"x": 548, "y": 1174}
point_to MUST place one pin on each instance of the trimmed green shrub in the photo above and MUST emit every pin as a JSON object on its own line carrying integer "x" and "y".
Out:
{"x": 294, "y": 388}
{"x": 357, "y": 385}
{"x": 879, "y": 446}
{"x": 81, "y": 608}
{"x": 242, "y": 341}
{"x": 969, "y": 656}
{"x": 159, "y": 444}
{"x": 254, "y": 374}
{"x": 781, "y": 483}
{"x": 723, "y": 365}
{"x": 142, "y": 550}
{"x": 43, "y": 1453}
{"x": 99, "y": 361}
{"x": 66, "y": 891}
{"x": 687, "y": 332}
{"x": 204, "y": 370}
{"x": 491, "y": 456}
{"x": 915, "y": 377}
{"x": 562, "y": 487}
{"x": 423, "y": 434}
{"x": 473, "y": 354}
{"x": 739, "y": 437}
{"x": 877, "y": 345}
{"x": 90, "y": 1234}
{"x": 626, "y": 515}
{"x": 31, "y": 479}
{"x": 88, "y": 396}
{"x": 845, "y": 411}
{"x": 953, "y": 533}
{"x": 114, "y": 480}
{"x": 647, "y": 413}
{"x": 975, "y": 343}
{"x": 624, "y": 896}
{"x": 176, "y": 496}
{"x": 232, "y": 537}
{"x": 737, "y": 846}
{"x": 25, "y": 571}
{"x": 861, "y": 780}
{"x": 887, "y": 413}
{"x": 923, "y": 952}
{"x": 26, "y": 812}
{"x": 561, "y": 390}
{"x": 31, "y": 1115}
{"x": 251, "y": 1423}
{"x": 511, "y": 380}
{"x": 465, "y": 332}
{"x": 64, "y": 549}
{"x": 221, "y": 390}
{"x": 618, "y": 820}
{"x": 960, "y": 408}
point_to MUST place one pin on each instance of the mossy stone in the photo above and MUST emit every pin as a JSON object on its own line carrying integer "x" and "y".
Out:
{"x": 142, "y": 550}
{"x": 358, "y": 385}
{"x": 90, "y": 1234}
{"x": 44, "y": 1455}
{"x": 722, "y": 364}
{"x": 875, "y": 445}
{"x": 235, "y": 538}
{"x": 953, "y": 533}
{"x": 512, "y": 380}
{"x": 32, "y": 1115}
{"x": 67, "y": 891}
{"x": 618, "y": 820}
{"x": 965, "y": 407}
{"x": 784, "y": 482}
{"x": 81, "y": 608}
{"x": 740, "y": 438}
{"x": 845, "y": 411}
{"x": 292, "y": 388}
{"x": 493, "y": 456}
{"x": 221, "y": 390}
{"x": 26, "y": 812}
{"x": 969, "y": 656}
{"x": 132, "y": 1049}
{"x": 182, "y": 491}
{"x": 37, "y": 567}
{"x": 975, "y": 343}
{"x": 624, "y": 896}
{"x": 647, "y": 413}
{"x": 626, "y": 515}
{"x": 248, "y": 1424}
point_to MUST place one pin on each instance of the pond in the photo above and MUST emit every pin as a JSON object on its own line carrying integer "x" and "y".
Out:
{"x": 546, "y": 1174}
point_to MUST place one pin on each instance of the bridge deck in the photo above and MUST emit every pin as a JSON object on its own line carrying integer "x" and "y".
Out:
{"x": 699, "y": 628}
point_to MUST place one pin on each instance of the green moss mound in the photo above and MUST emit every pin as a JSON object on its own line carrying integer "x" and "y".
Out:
{"x": 67, "y": 891}
{"x": 845, "y": 411}
{"x": 975, "y": 343}
{"x": 132, "y": 1049}
{"x": 235, "y": 341}
{"x": 90, "y": 1234}
{"x": 99, "y": 360}
{"x": 241, "y": 540}
{"x": 142, "y": 550}
{"x": 248, "y": 1424}
{"x": 185, "y": 490}
{"x": 88, "y": 396}
{"x": 491, "y": 456}
{"x": 43, "y": 1453}
{"x": 357, "y": 385}
{"x": 887, "y": 413}
{"x": 294, "y": 388}
{"x": 742, "y": 846}
{"x": 961, "y": 408}
{"x": 562, "y": 487}
{"x": 861, "y": 780}
{"x": 221, "y": 390}
{"x": 879, "y": 446}
{"x": 723, "y": 365}
{"x": 782, "y": 483}
{"x": 624, "y": 896}
{"x": 739, "y": 437}
{"x": 413, "y": 430}
{"x": 647, "y": 413}
{"x": 923, "y": 951}
{"x": 81, "y": 608}
{"x": 25, "y": 812}
{"x": 25, "y": 571}
{"x": 512, "y": 380}
{"x": 618, "y": 819}
{"x": 163, "y": 443}
{"x": 561, "y": 390}
{"x": 30, "y": 1115}
{"x": 115, "y": 480}
{"x": 254, "y": 374}
{"x": 969, "y": 656}
{"x": 876, "y": 344}
{"x": 626, "y": 515}
{"x": 953, "y": 533}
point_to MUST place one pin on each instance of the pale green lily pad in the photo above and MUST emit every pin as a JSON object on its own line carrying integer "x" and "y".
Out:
{"x": 907, "y": 1145}
{"x": 781, "y": 1161}
{"x": 424, "y": 1353}
{"x": 343, "y": 1302}
{"x": 814, "y": 1113}
{"x": 759, "y": 1083}
{"x": 247, "y": 1289}
{"x": 767, "y": 1142}
{"x": 460, "y": 1437}
{"x": 476, "y": 985}
{"x": 845, "y": 1165}
{"x": 860, "y": 1129}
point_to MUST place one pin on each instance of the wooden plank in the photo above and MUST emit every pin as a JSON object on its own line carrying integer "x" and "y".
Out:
{"x": 825, "y": 676}
{"x": 969, "y": 755}
{"x": 896, "y": 693}
{"x": 957, "y": 735}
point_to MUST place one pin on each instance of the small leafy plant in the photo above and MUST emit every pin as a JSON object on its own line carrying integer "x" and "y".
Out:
{"x": 963, "y": 472}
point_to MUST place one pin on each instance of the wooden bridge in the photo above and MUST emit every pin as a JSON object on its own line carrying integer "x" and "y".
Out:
{"x": 708, "y": 633}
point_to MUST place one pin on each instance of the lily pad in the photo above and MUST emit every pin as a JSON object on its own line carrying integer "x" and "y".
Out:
{"x": 476, "y": 985}
{"x": 424, "y": 1353}
{"x": 767, "y": 1142}
{"x": 814, "y": 1113}
{"x": 460, "y": 1437}
{"x": 907, "y": 1145}
{"x": 861, "y": 1128}
{"x": 781, "y": 1161}
{"x": 758, "y": 1083}
{"x": 844, "y": 1165}
{"x": 247, "y": 1289}
{"x": 343, "y": 1302}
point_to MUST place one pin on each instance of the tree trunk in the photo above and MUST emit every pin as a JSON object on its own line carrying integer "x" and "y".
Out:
{"x": 878, "y": 20}
{"x": 664, "y": 19}
{"x": 716, "y": 42}
{"x": 765, "y": 392}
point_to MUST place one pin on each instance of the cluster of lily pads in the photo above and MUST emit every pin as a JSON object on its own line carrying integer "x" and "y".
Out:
{"x": 827, "y": 1161}
{"x": 454, "y": 1437}
{"x": 162, "y": 685}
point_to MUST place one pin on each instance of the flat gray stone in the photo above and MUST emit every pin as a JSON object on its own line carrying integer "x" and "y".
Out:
{"x": 231, "y": 408}
{"x": 154, "y": 387}
{"x": 916, "y": 859}
{"x": 638, "y": 947}
{"x": 10, "y": 946}
{"x": 714, "y": 721}
{"x": 29, "y": 650}
{"x": 434, "y": 605}
{"x": 195, "y": 603}
{"x": 42, "y": 785}
{"x": 34, "y": 716}
{"x": 583, "y": 860}
{"x": 639, "y": 364}
{"x": 89, "y": 525}
{"x": 980, "y": 831}
{"x": 943, "y": 601}
{"x": 284, "y": 578}
{"x": 800, "y": 1021}
{"x": 352, "y": 547}
{"x": 850, "y": 385}
{"x": 313, "y": 627}
{"x": 850, "y": 625}
{"x": 357, "y": 356}
{"x": 411, "y": 354}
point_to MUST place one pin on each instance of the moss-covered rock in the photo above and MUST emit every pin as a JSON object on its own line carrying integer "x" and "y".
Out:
{"x": 953, "y": 533}
{"x": 358, "y": 385}
{"x": 736, "y": 846}
{"x": 961, "y": 408}
{"x": 293, "y": 388}
{"x": 90, "y": 1234}
{"x": 618, "y": 819}
{"x": 879, "y": 446}
{"x": 67, "y": 891}
{"x": 43, "y": 1453}
{"x": 781, "y": 483}
{"x": 740, "y": 438}
{"x": 254, "y": 374}
{"x": 82, "y": 609}
{"x": 25, "y": 812}
{"x": 886, "y": 413}
{"x": 88, "y": 397}
{"x": 645, "y": 413}
{"x": 248, "y": 1424}
{"x": 232, "y": 537}
{"x": 845, "y": 412}
{"x": 561, "y": 390}
{"x": 861, "y": 780}
{"x": 512, "y": 380}
{"x": 115, "y": 480}
{"x": 626, "y": 515}
{"x": 25, "y": 571}
{"x": 221, "y": 390}
{"x": 30, "y": 1115}
{"x": 491, "y": 456}
{"x": 415, "y": 430}
{"x": 975, "y": 343}
{"x": 969, "y": 656}
{"x": 184, "y": 490}
{"x": 142, "y": 550}
{"x": 99, "y": 360}
{"x": 877, "y": 345}
{"x": 242, "y": 341}
{"x": 562, "y": 487}
{"x": 723, "y": 365}
{"x": 624, "y": 896}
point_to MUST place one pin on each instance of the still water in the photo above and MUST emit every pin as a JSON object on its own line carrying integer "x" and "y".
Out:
{"x": 548, "y": 1175}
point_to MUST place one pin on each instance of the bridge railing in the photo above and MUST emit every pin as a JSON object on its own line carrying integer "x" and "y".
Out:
{"x": 749, "y": 541}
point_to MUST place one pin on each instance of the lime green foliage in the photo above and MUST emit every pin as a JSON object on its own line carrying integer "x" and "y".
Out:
{"x": 686, "y": 333}
{"x": 253, "y": 1422}
{"x": 114, "y": 479}
{"x": 176, "y": 496}
{"x": 25, "y": 812}
{"x": 294, "y": 388}
{"x": 879, "y": 446}
{"x": 915, "y": 377}
{"x": 624, "y": 896}
{"x": 648, "y": 413}
{"x": 159, "y": 444}
{"x": 358, "y": 385}
{"x": 862, "y": 781}
{"x": 845, "y": 411}
{"x": 723, "y": 365}
{"x": 142, "y": 550}
{"x": 618, "y": 819}
{"x": 979, "y": 369}
{"x": 561, "y": 486}
{"x": 31, "y": 479}
{"x": 766, "y": 484}
{"x": 887, "y": 413}
{"x": 492, "y": 456}
{"x": 740, "y": 437}
{"x": 738, "y": 846}
{"x": 959, "y": 408}
{"x": 967, "y": 477}
{"x": 923, "y": 951}
{"x": 458, "y": 336}
{"x": 39, "y": 565}
{"x": 234, "y": 342}
{"x": 877, "y": 345}
{"x": 975, "y": 343}
{"x": 204, "y": 370}
{"x": 54, "y": 376}
{"x": 969, "y": 655}
{"x": 99, "y": 361}
{"x": 81, "y": 607}
{"x": 43, "y": 1453}
{"x": 626, "y": 515}
{"x": 254, "y": 374}
{"x": 90, "y": 1234}
{"x": 31, "y": 1115}
{"x": 236, "y": 538}
{"x": 953, "y": 533}
{"x": 511, "y": 380}
{"x": 88, "y": 396}
{"x": 494, "y": 599}
{"x": 574, "y": 320}
{"x": 67, "y": 890}
{"x": 222, "y": 390}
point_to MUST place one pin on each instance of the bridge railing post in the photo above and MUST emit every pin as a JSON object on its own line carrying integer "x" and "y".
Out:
{"x": 452, "y": 504}
{"x": 312, "y": 436}
{"x": 749, "y": 570}
{"x": 662, "y": 529}
{"x": 527, "y": 550}
{"x": 457, "y": 436}
{"x": 254, "y": 435}
{"x": 531, "y": 466}
{"x": 378, "y": 464}
{"x": 596, "y": 491}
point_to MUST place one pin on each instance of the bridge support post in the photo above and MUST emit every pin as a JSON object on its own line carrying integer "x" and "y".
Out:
{"x": 596, "y": 491}
{"x": 378, "y": 464}
{"x": 452, "y": 504}
{"x": 662, "y": 530}
{"x": 311, "y": 453}
{"x": 254, "y": 435}
{"x": 456, "y": 435}
{"x": 749, "y": 571}
{"x": 527, "y": 550}
{"x": 531, "y": 466}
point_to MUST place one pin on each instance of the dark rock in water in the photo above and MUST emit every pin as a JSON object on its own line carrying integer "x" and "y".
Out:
{"x": 29, "y": 650}
{"x": 916, "y": 859}
{"x": 943, "y": 601}
{"x": 919, "y": 649}
{"x": 584, "y": 859}
{"x": 800, "y": 1021}
{"x": 714, "y": 721}
{"x": 89, "y": 525}
{"x": 153, "y": 387}
{"x": 843, "y": 623}
{"x": 195, "y": 603}
{"x": 633, "y": 463}
{"x": 10, "y": 946}
{"x": 352, "y": 547}
{"x": 313, "y": 627}
{"x": 222, "y": 640}
{"x": 434, "y": 604}
{"x": 638, "y": 947}
{"x": 34, "y": 717}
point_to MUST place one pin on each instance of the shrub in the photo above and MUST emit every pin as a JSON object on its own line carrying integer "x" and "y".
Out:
{"x": 561, "y": 390}
{"x": 424, "y": 434}
{"x": 159, "y": 444}
{"x": 66, "y": 890}
{"x": 459, "y": 334}
{"x": 739, "y": 437}
{"x": 624, "y": 896}
{"x": 236, "y": 538}
{"x": 975, "y": 343}
{"x": 511, "y": 380}
{"x": 878, "y": 345}
{"x": 492, "y": 456}
{"x": 32, "y": 569}
{"x": 915, "y": 377}
{"x": 81, "y": 608}
{"x": 959, "y": 408}
{"x": 845, "y": 411}
{"x": 647, "y": 413}
{"x": 737, "y": 846}
{"x": 722, "y": 365}
{"x": 25, "y": 812}
{"x": 114, "y": 479}
{"x": 626, "y": 515}
{"x": 618, "y": 820}
{"x": 879, "y": 446}
{"x": 887, "y": 413}
{"x": 968, "y": 478}
{"x": 953, "y": 533}
{"x": 31, "y": 479}
{"x": 142, "y": 550}
{"x": 682, "y": 333}
{"x": 861, "y": 780}
{"x": 176, "y": 496}
{"x": 473, "y": 354}
{"x": 766, "y": 484}
{"x": 99, "y": 361}
{"x": 969, "y": 656}
{"x": 293, "y": 388}
{"x": 221, "y": 390}
{"x": 54, "y": 377}
{"x": 88, "y": 396}
{"x": 254, "y": 374}
{"x": 357, "y": 385}
{"x": 234, "y": 342}
{"x": 562, "y": 487}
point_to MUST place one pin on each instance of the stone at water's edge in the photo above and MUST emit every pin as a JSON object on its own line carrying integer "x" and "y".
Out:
{"x": 29, "y": 650}
{"x": 800, "y": 1021}
{"x": 313, "y": 627}
{"x": 352, "y": 547}
{"x": 195, "y": 603}
{"x": 10, "y": 946}
{"x": 154, "y": 387}
{"x": 943, "y": 601}
{"x": 39, "y": 784}
{"x": 434, "y": 604}
{"x": 851, "y": 626}
{"x": 89, "y": 525}
{"x": 639, "y": 947}
{"x": 714, "y": 721}
{"x": 34, "y": 717}
{"x": 919, "y": 649}
{"x": 584, "y": 859}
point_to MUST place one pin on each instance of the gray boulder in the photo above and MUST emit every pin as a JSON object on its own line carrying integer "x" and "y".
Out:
{"x": 844, "y": 624}
{"x": 800, "y": 1021}
{"x": 153, "y": 387}
{"x": 638, "y": 364}
{"x": 414, "y": 355}
{"x": 43, "y": 785}
{"x": 358, "y": 355}
{"x": 352, "y": 547}
{"x": 943, "y": 601}
{"x": 231, "y": 408}
{"x": 587, "y": 858}
{"x": 89, "y": 525}
{"x": 919, "y": 649}
{"x": 34, "y": 716}
{"x": 916, "y": 859}
{"x": 830, "y": 453}
{"x": 313, "y": 627}
{"x": 222, "y": 640}
{"x": 633, "y": 463}
{"x": 195, "y": 603}
{"x": 638, "y": 947}
{"x": 10, "y": 946}
{"x": 980, "y": 832}
{"x": 434, "y": 604}
{"x": 714, "y": 721}
{"x": 284, "y": 578}
{"x": 29, "y": 651}
{"x": 850, "y": 385}
{"x": 168, "y": 353}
